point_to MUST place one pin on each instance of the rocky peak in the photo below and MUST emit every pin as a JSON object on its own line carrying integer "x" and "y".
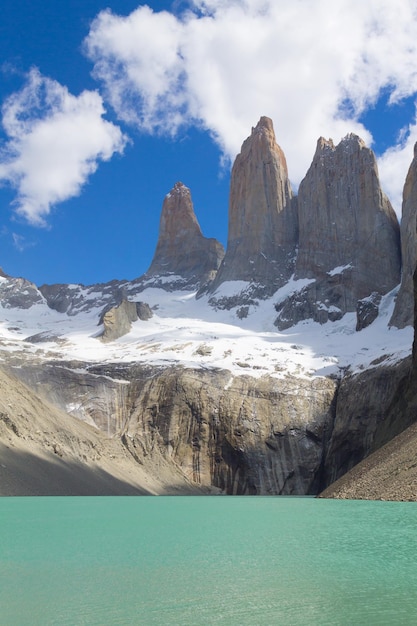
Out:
{"x": 345, "y": 218}
{"x": 262, "y": 217}
{"x": 349, "y": 244}
{"x": 178, "y": 218}
{"x": 182, "y": 250}
{"x": 404, "y": 307}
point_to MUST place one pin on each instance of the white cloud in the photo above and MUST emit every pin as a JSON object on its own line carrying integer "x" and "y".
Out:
{"x": 55, "y": 142}
{"x": 20, "y": 242}
{"x": 313, "y": 66}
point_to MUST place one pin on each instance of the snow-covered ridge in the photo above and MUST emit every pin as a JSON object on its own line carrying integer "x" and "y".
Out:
{"x": 189, "y": 332}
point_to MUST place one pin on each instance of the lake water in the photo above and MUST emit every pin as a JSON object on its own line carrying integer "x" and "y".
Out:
{"x": 207, "y": 560}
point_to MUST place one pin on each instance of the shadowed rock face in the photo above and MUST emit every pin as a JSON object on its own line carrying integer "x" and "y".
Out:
{"x": 262, "y": 217}
{"x": 404, "y": 307}
{"x": 182, "y": 250}
{"x": 244, "y": 436}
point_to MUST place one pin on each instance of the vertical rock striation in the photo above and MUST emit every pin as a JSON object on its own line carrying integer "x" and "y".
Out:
{"x": 349, "y": 240}
{"x": 404, "y": 307}
{"x": 182, "y": 250}
{"x": 346, "y": 219}
{"x": 262, "y": 215}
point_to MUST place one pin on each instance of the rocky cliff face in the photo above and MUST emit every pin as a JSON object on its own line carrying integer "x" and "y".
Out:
{"x": 184, "y": 396}
{"x": 339, "y": 239}
{"x": 45, "y": 452}
{"x": 262, "y": 233}
{"x": 349, "y": 241}
{"x": 241, "y": 435}
{"x": 182, "y": 251}
{"x": 404, "y": 306}
{"x": 290, "y": 436}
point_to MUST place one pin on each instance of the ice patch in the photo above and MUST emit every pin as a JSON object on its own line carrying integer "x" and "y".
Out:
{"x": 339, "y": 269}
{"x": 181, "y": 325}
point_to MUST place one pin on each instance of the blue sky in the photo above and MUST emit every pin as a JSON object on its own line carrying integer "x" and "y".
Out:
{"x": 102, "y": 112}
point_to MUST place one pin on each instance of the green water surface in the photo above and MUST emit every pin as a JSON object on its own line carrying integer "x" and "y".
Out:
{"x": 207, "y": 560}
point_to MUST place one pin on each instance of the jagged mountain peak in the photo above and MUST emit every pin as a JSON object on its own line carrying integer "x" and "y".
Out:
{"x": 262, "y": 215}
{"x": 178, "y": 219}
{"x": 182, "y": 251}
{"x": 340, "y": 233}
{"x": 265, "y": 124}
{"x": 179, "y": 189}
{"x": 262, "y": 141}
{"x": 349, "y": 244}
{"x": 350, "y": 143}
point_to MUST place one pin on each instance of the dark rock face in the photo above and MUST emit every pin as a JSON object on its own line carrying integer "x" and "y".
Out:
{"x": 363, "y": 406}
{"x": 404, "y": 307}
{"x": 74, "y": 299}
{"x": 143, "y": 310}
{"x": 349, "y": 241}
{"x": 18, "y": 293}
{"x": 262, "y": 215}
{"x": 182, "y": 250}
{"x": 367, "y": 310}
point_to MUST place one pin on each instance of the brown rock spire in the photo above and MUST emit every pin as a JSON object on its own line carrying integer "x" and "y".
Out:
{"x": 182, "y": 250}
{"x": 346, "y": 219}
{"x": 349, "y": 241}
{"x": 262, "y": 217}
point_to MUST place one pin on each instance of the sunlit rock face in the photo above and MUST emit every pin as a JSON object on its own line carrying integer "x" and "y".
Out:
{"x": 261, "y": 423}
{"x": 404, "y": 308}
{"x": 262, "y": 214}
{"x": 239, "y": 434}
{"x": 182, "y": 250}
{"x": 117, "y": 321}
{"x": 349, "y": 239}
{"x": 346, "y": 219}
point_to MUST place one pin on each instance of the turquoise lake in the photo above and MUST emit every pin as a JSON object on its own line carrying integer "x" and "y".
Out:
{"x": 207, "y": 560}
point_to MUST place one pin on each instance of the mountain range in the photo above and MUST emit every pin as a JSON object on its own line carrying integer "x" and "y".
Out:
{"x": 271, "y": 367}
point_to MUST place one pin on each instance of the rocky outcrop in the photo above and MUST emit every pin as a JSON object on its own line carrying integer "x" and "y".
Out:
{"x": 349, "y": 242}
{"x": 363, "y": 416}
{"x": 262, "y": 233}
{"x": 45, "y": 452}
{"x": 77, "y": 298}
{"x": 367, "y": 310}
{"x": 388, "y": 474}
{"x": 183, "y": 256}
{"x": 404, "y": 307}
{"x": 117, "y": 321}
{"x": 345, "y": 219}
{"x": 243, "y": 435}
{"x": 18, "y": 293}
